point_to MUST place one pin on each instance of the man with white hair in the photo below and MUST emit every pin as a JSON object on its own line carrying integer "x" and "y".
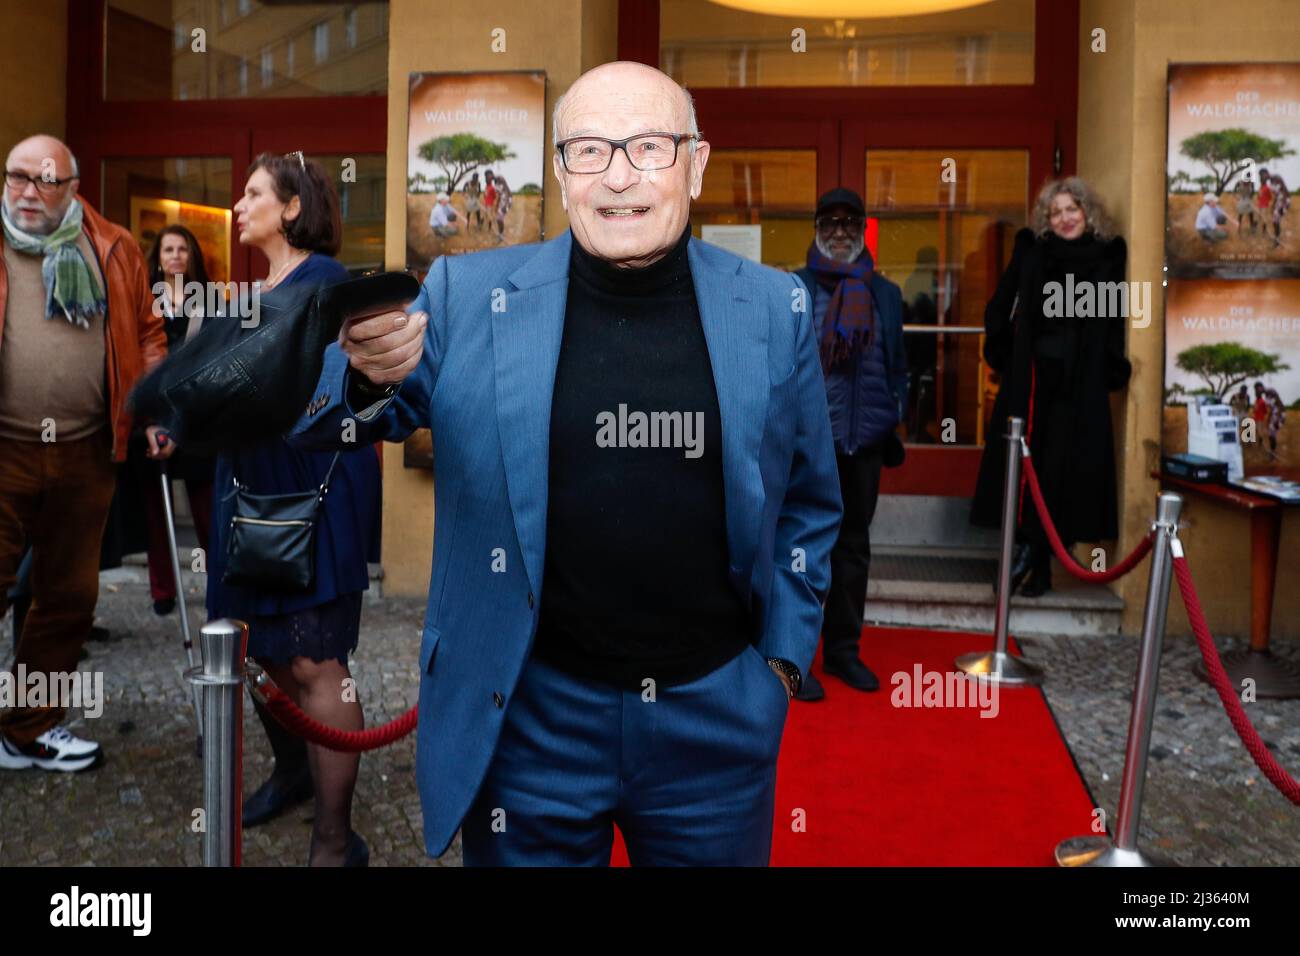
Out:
{"x": 1209, "y": 219}
{"x": 77, "y": 330}
{"x": 636, "y": 502}
{"x": 440, "y": 218}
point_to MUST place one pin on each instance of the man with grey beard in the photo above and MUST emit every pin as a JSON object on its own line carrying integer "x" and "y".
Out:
{"x": 858, "y": 322}
{"x": 77, "y": 330}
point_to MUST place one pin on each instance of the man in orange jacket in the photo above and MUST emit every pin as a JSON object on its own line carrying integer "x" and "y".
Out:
{"x": 77, "y": 331}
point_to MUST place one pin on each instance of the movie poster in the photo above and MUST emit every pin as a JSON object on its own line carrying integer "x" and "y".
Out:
{"x": 1236, "y": 344}
{"x": 1232, "y": 164}
{"x": 475, "y": 163}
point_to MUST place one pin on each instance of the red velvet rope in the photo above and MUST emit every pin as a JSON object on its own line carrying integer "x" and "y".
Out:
{"x": 1262, "y": 756}
{"x": 294, "y": 720}
{"x": 1064, "y": 556}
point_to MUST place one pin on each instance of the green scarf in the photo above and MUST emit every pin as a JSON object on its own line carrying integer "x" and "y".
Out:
{"x": 71, "y": 288}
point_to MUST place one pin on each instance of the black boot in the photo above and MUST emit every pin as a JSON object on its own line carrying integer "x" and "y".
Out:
{"x": 1040, "y": 575}
{"x": 290, "y": 781}
{"x": 1021, "y": 562}
{"x": 356, "y": 853}
{"x": 280, "y": 792}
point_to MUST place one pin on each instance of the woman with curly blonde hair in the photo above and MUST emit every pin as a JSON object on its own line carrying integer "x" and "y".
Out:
{"x": 1058, "y": 360}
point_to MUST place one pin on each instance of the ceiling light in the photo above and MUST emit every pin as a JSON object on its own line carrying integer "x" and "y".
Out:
{"x": 848, "y": 9}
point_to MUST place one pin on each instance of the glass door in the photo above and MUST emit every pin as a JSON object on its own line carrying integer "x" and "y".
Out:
{"x": 761, "y": 186}
{"x": 941, "y": 222}
{"x": 759, "y": 203}
{"x": 945, "y": 202}
{"x": 944, "y": 224}
{"x": 168, "y": 103}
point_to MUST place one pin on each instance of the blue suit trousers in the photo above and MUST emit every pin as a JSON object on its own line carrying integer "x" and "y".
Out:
{"x": 689, "y": 776}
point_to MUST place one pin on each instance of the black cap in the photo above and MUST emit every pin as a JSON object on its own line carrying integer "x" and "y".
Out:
{"x": 839, "y": 196}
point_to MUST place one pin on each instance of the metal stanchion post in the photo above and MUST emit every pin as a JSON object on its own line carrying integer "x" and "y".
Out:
{"x": 170, "y": 514}
{"x": 1100, "y": 850}
{"x": 220, "y": 684}
{"x": 998, "y": 665}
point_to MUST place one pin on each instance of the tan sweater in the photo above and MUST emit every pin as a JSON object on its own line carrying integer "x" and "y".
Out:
{"x": 49, "y": 368}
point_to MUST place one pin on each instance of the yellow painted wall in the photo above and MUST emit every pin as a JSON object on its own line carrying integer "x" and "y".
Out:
{"x": 33, "y": 70}
{"x": 1122, "y": 103}
{"x": 562, "y": 37}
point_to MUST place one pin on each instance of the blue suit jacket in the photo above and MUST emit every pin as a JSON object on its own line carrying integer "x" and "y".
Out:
{"x": 484, "y": 388}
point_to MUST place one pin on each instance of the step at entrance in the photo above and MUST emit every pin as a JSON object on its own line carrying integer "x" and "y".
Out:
{"x": 940, "y": 588}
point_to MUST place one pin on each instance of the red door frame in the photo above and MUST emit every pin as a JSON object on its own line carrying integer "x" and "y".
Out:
{"x": 100, "y": 129}
{"x": 841, "y": 123}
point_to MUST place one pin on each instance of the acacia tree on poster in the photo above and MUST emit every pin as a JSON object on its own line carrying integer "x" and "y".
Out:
{"x": 1229, "y": 152}
{"x": 460, "y": 154}
{"x": 1224, "y": 365}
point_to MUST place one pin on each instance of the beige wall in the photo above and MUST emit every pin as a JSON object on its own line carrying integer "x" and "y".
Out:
{"x": 33, "y": 70}
{"x": 562, "y": 37}
{"x": 1122, "y": 150}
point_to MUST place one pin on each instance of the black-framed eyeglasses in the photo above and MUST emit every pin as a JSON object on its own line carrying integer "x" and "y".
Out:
{"x": 852, "y": 225}
{"x": 645, "y": 151}
{"x": 18, "y": 181}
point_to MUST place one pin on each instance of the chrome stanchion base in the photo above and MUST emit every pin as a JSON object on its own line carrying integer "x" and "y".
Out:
{"x": 1275, "y": 677}
{"x": 1001, "y": 668}
{"x": 1100, "y": 850}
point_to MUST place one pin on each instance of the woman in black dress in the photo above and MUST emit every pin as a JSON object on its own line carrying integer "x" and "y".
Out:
{"x": 1059, "y": 356}
{"x": 290, "y": 212}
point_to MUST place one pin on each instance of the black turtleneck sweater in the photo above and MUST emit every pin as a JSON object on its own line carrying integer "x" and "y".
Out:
{"x": 636, "y": 579}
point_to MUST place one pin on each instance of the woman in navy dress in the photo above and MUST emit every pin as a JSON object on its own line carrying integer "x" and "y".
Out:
{"x": 290, "y": 212}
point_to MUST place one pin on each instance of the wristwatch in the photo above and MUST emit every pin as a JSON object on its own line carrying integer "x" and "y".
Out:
{"x": 366, "y": 397}
{"x": 789, "y": 670}
{"x": 369, "y": 389}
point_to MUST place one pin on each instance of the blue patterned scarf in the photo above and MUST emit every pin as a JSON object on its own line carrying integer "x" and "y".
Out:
{"x": 850, "y": 315}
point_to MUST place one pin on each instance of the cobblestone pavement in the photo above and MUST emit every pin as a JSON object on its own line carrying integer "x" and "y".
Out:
{"x": 1206, "y": 803}
{"x": 137, "y": 807}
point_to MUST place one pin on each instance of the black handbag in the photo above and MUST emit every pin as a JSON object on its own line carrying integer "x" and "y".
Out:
{"x": 272, "y": 543}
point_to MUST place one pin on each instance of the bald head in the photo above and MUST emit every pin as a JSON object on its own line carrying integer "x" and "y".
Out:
{"x": 633, "y": 83}
{"x": 39, "y": 148}
{"x": 632, "y": 213}
{"x": 49, "y": 161}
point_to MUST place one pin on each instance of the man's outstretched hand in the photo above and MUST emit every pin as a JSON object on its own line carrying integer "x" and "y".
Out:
{"x": 384, "y": 348}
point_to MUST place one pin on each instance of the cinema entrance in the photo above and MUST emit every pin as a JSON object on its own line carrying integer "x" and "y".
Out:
{"x": 946, "y": 124}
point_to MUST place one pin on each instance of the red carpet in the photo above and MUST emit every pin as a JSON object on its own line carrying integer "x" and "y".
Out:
{"x": 881, "y": 785}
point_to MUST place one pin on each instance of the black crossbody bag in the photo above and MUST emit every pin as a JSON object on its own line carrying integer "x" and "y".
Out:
{"x": 273, "y": 538}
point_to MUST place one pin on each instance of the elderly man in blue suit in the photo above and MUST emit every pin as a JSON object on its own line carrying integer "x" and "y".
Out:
{"x": 635, "y": 501}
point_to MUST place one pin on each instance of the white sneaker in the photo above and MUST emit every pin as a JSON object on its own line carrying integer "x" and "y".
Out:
{"x": 55, "y": 749}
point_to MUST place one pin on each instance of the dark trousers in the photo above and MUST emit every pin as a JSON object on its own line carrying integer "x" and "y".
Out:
{"x": 851, "y": 556}
{"x": 689, "y": 777}
{"x": 56, "y": 497}
{"x": 162, "y": 583}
